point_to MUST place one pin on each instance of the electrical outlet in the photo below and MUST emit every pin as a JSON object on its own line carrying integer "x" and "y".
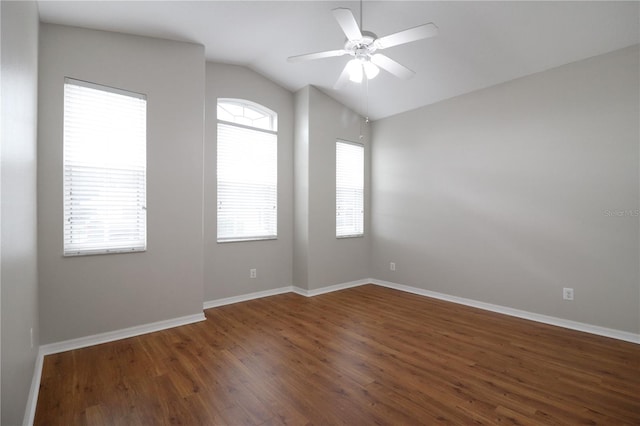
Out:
{"x": 567, "y": 293}
{"x": 392, "y": 266}
{"x": 252, "y": 273}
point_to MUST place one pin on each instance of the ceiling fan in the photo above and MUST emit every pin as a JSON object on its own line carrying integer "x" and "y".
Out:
{"x": 363, "y": 45}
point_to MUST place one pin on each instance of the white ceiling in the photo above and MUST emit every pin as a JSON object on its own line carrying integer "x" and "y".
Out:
{"x": 480, "y": 43}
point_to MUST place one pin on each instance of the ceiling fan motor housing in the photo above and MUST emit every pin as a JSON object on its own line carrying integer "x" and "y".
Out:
{"x": 362, "y": 48}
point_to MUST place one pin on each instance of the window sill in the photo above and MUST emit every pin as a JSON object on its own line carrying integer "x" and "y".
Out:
{"x": 244, "y": 240}
{"x": 103, "y": 251}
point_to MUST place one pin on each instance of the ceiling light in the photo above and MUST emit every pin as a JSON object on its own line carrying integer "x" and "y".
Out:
{"x": 355, "y": 70}
{"x": 370, "y": 69}
{"x": 358, "y": 67}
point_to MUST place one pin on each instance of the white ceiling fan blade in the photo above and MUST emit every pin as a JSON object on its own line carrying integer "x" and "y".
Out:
{"x": 343, "y": 79}
{"x": 318, "y": 55}
{"x": 407, "y": 36}
{"x": 392, "y": 66}
{"x": 348, "y": 23}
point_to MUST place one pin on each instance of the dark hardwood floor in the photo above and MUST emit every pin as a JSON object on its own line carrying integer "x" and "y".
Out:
{"x": 362, "y": 356}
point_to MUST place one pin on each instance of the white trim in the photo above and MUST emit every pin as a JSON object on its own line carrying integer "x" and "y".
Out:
{"x": 32, "y": 400}
{"x": 546, "y": 319}
{"x": 281, "y": 290}
{"x": 301, "y": 291}
{"x": 329, "y": 289}
{"x": 110, "y": 336}
{"x": 245, "y": 297}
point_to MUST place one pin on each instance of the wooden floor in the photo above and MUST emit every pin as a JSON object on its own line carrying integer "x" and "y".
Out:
{"x": 362, "y": 356}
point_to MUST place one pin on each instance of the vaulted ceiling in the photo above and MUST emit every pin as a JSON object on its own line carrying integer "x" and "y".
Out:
{"x": 480, "y": 44}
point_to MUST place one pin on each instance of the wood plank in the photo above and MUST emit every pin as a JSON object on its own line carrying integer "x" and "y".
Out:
{"x": 366, "y": 355}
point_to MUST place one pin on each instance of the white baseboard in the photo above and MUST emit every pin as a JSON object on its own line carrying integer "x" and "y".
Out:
{"x": 32, "y": 400}
{"x": 329, "y": 289}
{"x": 281, "y": 290}
{"x": 546, "y": 319}
{"x": 244, "y": 297}
{"x": 110, "y": 336}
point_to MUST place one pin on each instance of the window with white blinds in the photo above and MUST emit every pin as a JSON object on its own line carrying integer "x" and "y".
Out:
{"x": 105, "y": 135}
{"x": 247, "y": 171}
{"x": 349, "y": 189}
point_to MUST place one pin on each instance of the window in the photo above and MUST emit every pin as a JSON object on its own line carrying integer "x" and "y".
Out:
{"x": 349, "y": 189}
{"x": 247, "y": 171}
{"x": 104, "y": 169}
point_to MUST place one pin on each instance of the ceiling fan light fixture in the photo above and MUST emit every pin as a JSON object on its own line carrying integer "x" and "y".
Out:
{"x": 363, "y": 46}
{"x": 354, "y": 68}
{"x": 358, "y": 68}
{"x": 370, "y": 69}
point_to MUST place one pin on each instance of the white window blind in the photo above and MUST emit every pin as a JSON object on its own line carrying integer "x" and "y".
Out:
{"x": 349, "y": 189}
{"x": 104, "y": 169}
{"x": 247, "y": 172}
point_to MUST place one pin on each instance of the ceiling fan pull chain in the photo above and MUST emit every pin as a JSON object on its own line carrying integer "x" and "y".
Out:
{"x": 366, "y": 116}
{"x": 365, "y": 107}
{"x": 362, "y": 107}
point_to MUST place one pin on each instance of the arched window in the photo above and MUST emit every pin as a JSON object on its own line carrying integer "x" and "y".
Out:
{"x": 247, "y": 171}
{"x": 247, "y": 113}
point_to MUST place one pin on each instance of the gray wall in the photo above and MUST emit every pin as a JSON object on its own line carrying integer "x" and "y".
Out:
{"x": 509, "y": 194}
{"x": 329, "y": 260}
{"x": 86, "y": 295}
{"x": 301, "y": 189}
{"x": 226, "y": 270}
{"x": 18, "y": 262}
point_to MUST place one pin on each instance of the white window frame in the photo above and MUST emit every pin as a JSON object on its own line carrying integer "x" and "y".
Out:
{"x": 354, "y": 206}
{"x": 262, "y": 217}
{"x": 104, "y": 198}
